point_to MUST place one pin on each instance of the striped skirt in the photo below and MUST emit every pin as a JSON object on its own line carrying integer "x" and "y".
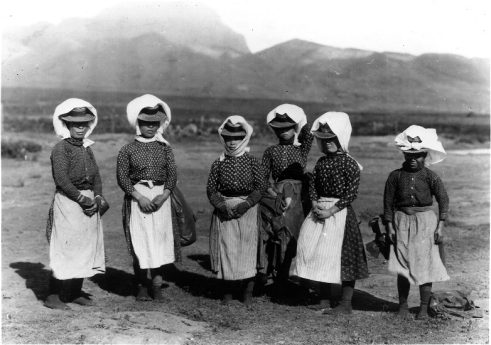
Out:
{"x": 76, "y": 242}
{"x": 151, "y": 233}
{"x": 320, "y": 245}
{"x": 233, "y": 243}
{"x": 415, "y": 255}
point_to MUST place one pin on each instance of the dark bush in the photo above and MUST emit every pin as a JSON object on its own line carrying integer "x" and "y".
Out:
{"x": 22, "y": 149}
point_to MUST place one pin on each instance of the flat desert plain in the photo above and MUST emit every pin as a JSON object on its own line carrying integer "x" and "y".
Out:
{"x": 193, "y": 313}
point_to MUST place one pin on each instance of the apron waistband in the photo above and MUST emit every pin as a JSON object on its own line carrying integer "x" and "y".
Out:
{"x": 150, "y": 183}
{"x": 411, "y": 210}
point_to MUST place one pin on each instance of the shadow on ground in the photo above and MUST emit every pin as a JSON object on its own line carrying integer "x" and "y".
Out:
{"x": 194, "y": 283}
{"x": 115, "y": 281}
{"x": 121, "y": 283}
{"x": 35, "y": 275}
{"x": 202, "y": 259}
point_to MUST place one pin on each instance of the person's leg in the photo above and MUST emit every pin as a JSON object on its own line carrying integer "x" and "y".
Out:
{"x": 324, "y": 295}
{"x": 284, "y": 269}
{"x": 344, "y": 307}
{"x": 156, "y": 274}
{"x": 424, "y": 294}
{"x": 227, "y": 290}
{"x": 247, "y": 288}
{"x": 53, "y": 300}
{"x": 403, "y": 287}
{"x": 141, "y": 281}
{"x": 260, "y": 286}
{"x": 76, "y": 293}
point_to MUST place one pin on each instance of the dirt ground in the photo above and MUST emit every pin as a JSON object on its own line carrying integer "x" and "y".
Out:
{"x": 193, "y": 313}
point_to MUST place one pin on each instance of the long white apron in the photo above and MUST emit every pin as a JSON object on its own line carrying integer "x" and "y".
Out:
{"x": 319, "y": 246}
{"x": 76, "y": 248}
{"x": 151, "y": 233}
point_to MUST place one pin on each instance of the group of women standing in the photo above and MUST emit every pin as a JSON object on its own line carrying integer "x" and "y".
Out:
{"x": 269, "y": 218}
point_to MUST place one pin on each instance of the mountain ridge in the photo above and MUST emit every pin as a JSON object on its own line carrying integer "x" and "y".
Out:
{"x": 164, "y": 50}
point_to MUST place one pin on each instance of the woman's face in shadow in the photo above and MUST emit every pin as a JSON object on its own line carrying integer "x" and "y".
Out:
{"x": 285, "y": 133}
{"x": 232, "y": 142}
{"x": 330, "y": 145}
{"x": 148, "y": 129}
{"x": 78, "y": 129}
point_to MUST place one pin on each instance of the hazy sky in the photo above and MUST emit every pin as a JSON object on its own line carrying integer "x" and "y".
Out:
{"x": 413, "y": 26}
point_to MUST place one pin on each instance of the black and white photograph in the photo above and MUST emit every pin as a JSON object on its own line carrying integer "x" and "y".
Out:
{"x": 212, "y": 172}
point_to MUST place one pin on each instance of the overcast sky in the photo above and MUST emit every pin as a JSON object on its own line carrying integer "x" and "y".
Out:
{"x": 412, "y": 26}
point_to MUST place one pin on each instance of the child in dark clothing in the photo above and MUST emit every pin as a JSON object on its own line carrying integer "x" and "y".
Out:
{"x": 412, "y": 226}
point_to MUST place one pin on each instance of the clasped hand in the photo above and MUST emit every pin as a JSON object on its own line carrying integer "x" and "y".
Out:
{"x": 91, "y": 210}
{"x": 153, "y": 205}
{"x": 321, "y": 213}
{"x": 225, "y": 212}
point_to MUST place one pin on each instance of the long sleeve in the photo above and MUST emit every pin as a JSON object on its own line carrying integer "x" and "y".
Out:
{"x": 305, "y": 138}
{"x": 312, "y": 190}
{"x": 352, "y": 182}
{"x": 441, "y": 196}
{"x": 212, "y": 192}
{"x": 389, "y": 197}
{"x": 171, "y": 179}
{"x": 123, "y": 172}
{"x": 97, "y": 177}
{"x": 266, "y": 163}
{"x": 259, "y": 184}
{"x": 60, "y": 166}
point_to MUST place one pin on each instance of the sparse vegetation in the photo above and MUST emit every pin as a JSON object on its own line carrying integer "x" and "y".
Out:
{"x": 20, "y": 149}
{"x": 201, "y": 116}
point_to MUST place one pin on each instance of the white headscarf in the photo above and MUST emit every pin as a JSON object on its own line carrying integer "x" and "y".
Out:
{"x": 242, "y": 147}
{"x": 133, "y": 110}
{"x": 295, "y": 113}
{"x": 59, "y": 125}
{"x": 340, "y": 125}
{"x": 429, "y": 143}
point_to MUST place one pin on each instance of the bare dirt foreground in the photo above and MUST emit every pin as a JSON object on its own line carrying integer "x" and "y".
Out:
{"x": 193, "y": 313}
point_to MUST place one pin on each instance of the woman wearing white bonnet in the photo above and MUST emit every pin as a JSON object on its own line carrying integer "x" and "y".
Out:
{"x": 330, "y": 247}
{"x": 284, "y": 165}
{"x": 234, "y": 188}
{"x": 146, "y": 172}
{"x": 412, "y": 225}
{"x": 74, "y": 228}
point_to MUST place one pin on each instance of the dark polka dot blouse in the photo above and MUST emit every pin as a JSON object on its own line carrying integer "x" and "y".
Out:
{"x": 405, "y": 189}
{"x": 336, "y": 176}
{"x": 146, "y": 161}
{"x": 286, "y": 161}
{"x": 236, "y": 176}
{"x": 74, "y": 168}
